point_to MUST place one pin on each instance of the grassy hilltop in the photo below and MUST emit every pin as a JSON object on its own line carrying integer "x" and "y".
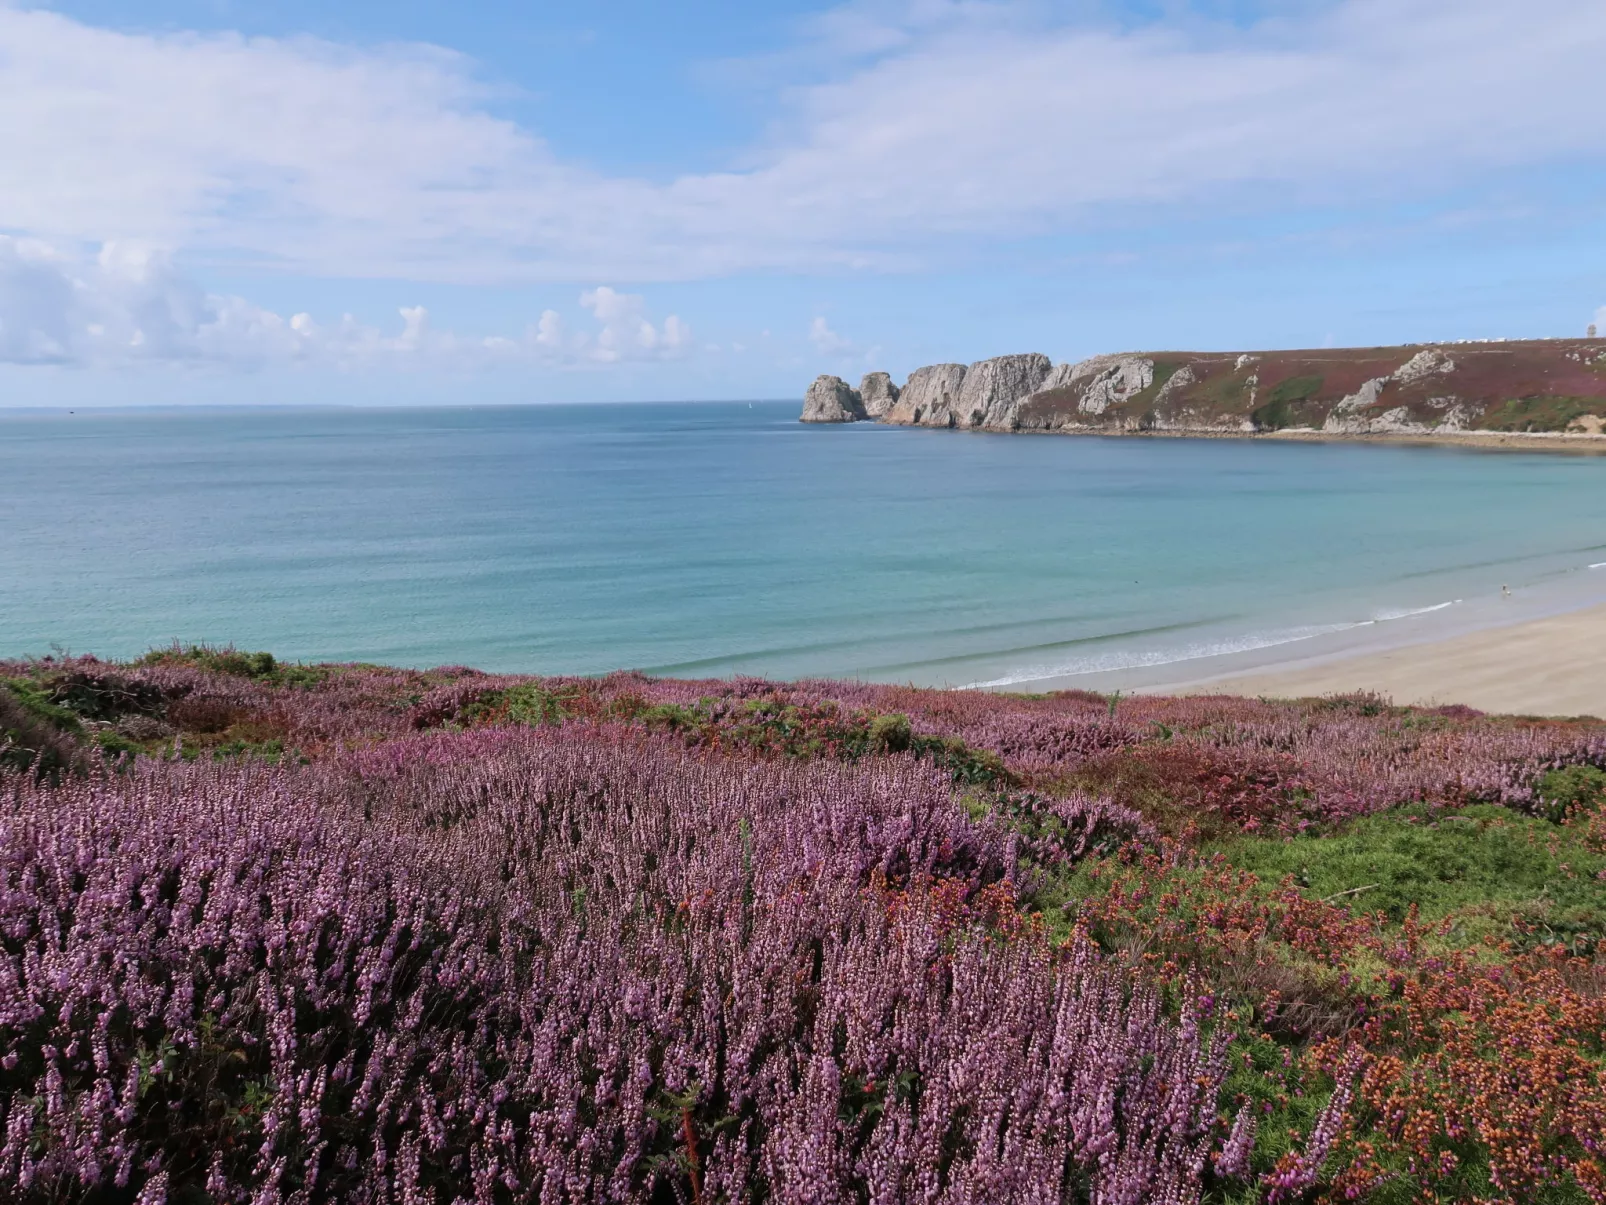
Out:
{"x": 342, "y": 932}
{"x": 1550, "y": 386}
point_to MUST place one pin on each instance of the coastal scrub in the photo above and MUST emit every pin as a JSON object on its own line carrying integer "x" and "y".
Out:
{"x": 272, "y": 932}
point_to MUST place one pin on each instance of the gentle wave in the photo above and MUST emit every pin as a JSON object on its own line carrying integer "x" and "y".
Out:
{"x": 1242, "y": 644}
{"x": 1194, "y": 652}
{"x": 1387, "y": 616}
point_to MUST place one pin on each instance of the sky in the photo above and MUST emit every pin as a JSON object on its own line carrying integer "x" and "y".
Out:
{"x": 226, "y": 201}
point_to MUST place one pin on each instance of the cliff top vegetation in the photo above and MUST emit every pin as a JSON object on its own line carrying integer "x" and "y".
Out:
{"x": 1535, "y": 387}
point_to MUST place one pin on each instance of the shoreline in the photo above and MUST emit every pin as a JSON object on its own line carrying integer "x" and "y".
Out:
{"x": 1537, "y": 649}
{"x": 1552, "y": 666}
{"x": 1512, "y": 441}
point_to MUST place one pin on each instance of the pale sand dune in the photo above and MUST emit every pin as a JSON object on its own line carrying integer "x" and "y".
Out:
{"x": 1553, "y": 666}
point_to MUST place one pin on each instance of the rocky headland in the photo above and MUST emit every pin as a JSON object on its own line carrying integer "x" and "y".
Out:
{"x": 1548, "y": 387}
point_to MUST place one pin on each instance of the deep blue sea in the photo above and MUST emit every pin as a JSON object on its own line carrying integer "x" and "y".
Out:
{"x": 715, "y": 539}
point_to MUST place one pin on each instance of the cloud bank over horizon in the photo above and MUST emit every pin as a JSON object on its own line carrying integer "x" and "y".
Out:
{"x": 910, "y": 137}
{"x": 130, "y": 304}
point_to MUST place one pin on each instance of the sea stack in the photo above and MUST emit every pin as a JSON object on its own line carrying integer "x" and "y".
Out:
{"x": 930, "y": 398}
{"x": 830, "y": 400}
{"x": 878, "y": 393}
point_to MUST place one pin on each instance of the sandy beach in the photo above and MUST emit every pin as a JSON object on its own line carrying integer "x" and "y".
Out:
{"x": 1554, "y": 666}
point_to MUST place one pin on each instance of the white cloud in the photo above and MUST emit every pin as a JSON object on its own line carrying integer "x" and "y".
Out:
{"x": 939, "y": 121}
{"x": 829, "y": 345}
{"x": 826, "y": 341}
{"x": 130, "y": 304}
{"x": 625, "y": 334}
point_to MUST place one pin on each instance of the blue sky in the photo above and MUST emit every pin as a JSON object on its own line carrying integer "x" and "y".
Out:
{"x": 225, "y": 201}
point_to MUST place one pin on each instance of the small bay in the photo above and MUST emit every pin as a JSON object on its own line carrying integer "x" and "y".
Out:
{"x": 721, "y": 538}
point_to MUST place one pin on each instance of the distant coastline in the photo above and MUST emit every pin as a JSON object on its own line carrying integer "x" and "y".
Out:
{"x": 1533, "y": 394}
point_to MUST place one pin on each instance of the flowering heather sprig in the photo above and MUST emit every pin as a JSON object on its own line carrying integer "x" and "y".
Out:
{"x": 1299, "y": 1170}
{"x": 1233, "y": 1159}
{"x": 576, "y": 963}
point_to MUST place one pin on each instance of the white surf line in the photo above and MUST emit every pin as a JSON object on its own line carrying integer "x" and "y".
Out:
{"x": 1244, "y": 644}
{"x": 1391, "y": 616}
{"x": 1193, "y": 652}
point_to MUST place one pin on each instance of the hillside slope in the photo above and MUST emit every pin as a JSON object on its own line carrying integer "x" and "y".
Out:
{"x": 306, "y": 933}
{"x": 1551, "y": 386}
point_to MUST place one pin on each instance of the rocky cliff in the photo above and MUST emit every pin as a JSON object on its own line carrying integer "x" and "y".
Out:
{"x": 1555, "y": 386}
{"x": 878, "y": 394}
{"x": 829, "y": 400}
{"x": 930, "y": 397}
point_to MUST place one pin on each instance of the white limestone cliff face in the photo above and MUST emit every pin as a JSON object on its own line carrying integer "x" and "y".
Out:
{"x": 1432, "y": 362}
{"x": 1176, "y": 383}
{"x": 1345, "y": 417}
{"x": 1129, "y": 375}
{"x": 830, "y": 400}
{"x": 1397, "y": 421}
{"x": 930, "y": 398}
{"x": 878, "y": 394}
{"x": 1101, "y": 381}
{"x": 993, "y": 390}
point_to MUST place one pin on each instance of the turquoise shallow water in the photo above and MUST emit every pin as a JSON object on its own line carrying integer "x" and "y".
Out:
{"x": 715, "y": 539}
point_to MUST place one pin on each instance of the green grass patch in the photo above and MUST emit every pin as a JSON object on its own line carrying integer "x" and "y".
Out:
{"x": 1273, "y": 416}
{"x": 37, "y": 734}
{"x": 1540, "y": 413}
{"x": 1278, "y": 410}
{"x": 1224, "y": 393}
{"x": 1295, "y": 389}
{"x": 236, "y": 663}
{"x": 1492, "y": 869}
{"x": 34, "y": 700}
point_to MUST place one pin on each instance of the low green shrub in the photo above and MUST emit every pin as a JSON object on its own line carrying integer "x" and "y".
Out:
{"x": 36, "y": 734}
{"x": 890, "y": 733}
{"x": 97, "y": 692}
{"x": 1295, "y": 389}
{"x": 236, "y": 663}
{"x": 1571, "y": 791}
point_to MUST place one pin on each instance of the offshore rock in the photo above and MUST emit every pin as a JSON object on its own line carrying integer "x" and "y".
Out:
{"x": 931, "y": 397}
{"x": 829, "y": 400}
{"x": 878, "y": 393}
{"x": 994, "y": 389}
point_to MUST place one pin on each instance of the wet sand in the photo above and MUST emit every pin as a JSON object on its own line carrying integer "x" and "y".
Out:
{"x": 1554, "y": 666}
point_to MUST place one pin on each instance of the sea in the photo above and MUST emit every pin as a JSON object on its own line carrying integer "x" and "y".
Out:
{"x": 716, "y": 539}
